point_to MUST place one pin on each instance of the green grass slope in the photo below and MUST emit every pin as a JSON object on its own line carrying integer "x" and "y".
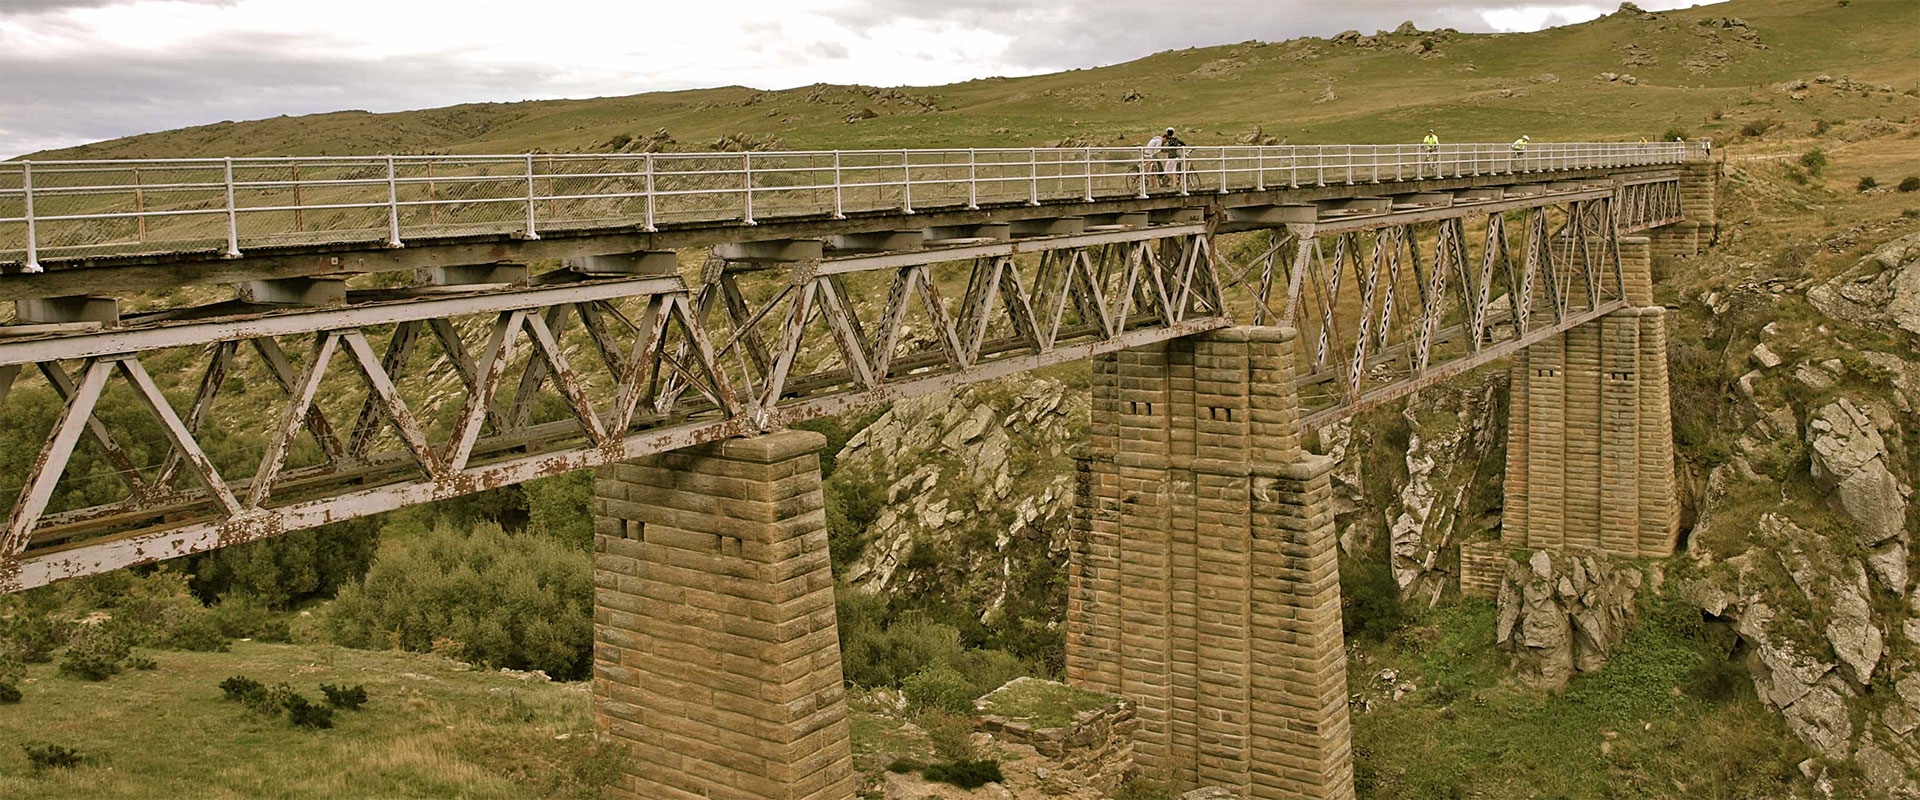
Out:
{"x": 1685, "y": 65}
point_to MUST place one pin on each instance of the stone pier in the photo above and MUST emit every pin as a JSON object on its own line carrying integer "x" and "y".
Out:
{"x": 1699, "y": 197}
{"x": 1590, "y": 437}
{"x": 1203, "y": 573}
{"x": 716, "y": 657}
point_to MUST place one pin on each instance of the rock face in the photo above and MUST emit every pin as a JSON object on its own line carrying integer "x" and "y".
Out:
{"x": 977, "y": 493}
{"x": 1849, "y": 460}
{"x": 1882, "y": 290}
{"x": 1562, "y": 614}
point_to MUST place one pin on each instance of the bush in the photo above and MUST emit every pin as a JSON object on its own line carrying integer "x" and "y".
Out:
{"x": 1674, "y": 135}
{"x": 1370, "y": 601}
{"x": 199, "y": 633}
{"x": 1756, "y": 128}
{"x": 142, "y": 663}
{"x": 940, "y": 688}
{"x": 95, "y": 653}
{"x": 346, "y": 698}
{"x": 1867, "y": 183}
{"x": 246, "y": 617}
{"x": 902, "y": 766}
{"x": 522, "y": 602}
{"x": 1911, "y": 183}
{"x": 1814, "y": 160}
{"x": 288, "y": 568}
{"x": 242, "y": 689}
{"x": 304, "y": 713}
{"x": 35, "y": 636}
{"x": 9, "y": 694}
{"x": 969, "y": 774}
{"x": 950, "y": 734}
{"x": 47, "y": 755}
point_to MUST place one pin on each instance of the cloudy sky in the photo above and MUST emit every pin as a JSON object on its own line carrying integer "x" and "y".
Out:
{"x": 73, "y": 71}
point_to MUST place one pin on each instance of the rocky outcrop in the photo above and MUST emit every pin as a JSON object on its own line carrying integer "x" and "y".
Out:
{"x": 1849, "y": 460}
{"x": 1882, "y": 290}
{"x": 1562, "y": 614}
{"x": 1090, "y": 747}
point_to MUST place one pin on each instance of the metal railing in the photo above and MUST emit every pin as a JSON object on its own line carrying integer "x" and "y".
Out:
{"x": 76, "y": 209}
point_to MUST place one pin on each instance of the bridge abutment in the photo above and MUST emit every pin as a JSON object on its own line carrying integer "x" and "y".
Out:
{"x": 1590, "y": 438}
{"x": 1203, "y": 570}
{"x": 1699, "y": 199}
{"x": 716, "y": 656}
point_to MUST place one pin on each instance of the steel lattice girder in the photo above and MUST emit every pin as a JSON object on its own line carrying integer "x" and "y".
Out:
{"x": 752, "y": 348}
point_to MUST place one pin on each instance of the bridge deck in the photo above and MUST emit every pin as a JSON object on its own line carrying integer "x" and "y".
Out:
{"x": 139, "y": 225}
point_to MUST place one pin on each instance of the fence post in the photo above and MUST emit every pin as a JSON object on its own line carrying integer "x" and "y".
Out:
{"x": 1223, "y": 169}
{"x": 233, "y": 215}
{"x": 1375, "y": 150}
{"x": 746, "y": 161}
{"x": 532, "y": 230}
{"x": 649, "y": 185}
{"x": 906, "y": 181}
{"x": 1260, "y": 167}
{"x": 839, "y": 210}
{"x": 32, "y": 263}
{"x": 1033, "y": 176}
{"x": 393, "y": 206}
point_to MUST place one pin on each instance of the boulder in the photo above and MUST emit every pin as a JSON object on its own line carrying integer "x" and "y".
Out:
{"x": 1849, "y": 460}
{"x": 1562, "y": 614}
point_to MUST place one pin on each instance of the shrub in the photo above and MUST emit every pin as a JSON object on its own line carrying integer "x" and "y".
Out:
{"x": 1867, "y": 183}
{"x": 523, "y": 602}
{"x": 950, "y": 734}
{"x": 902, "y": 766}
{"x": 13, "y": 668}
{"x": 940, "y": 688}
{"x": 1821, "y": 126}
{"x": 1370, "y": 601}
{"x": 199, "y": 633}
{"x": 288, "y": 568}
{"x": 1674, "y": 135}
{"x": 9, "y": 694}
{"x": 1756, "y": 128}
{"x": 1814, "y": 160}
{"x": 47, "y": 755}
{"x": 969, "y": 774}
{"x": 142, "y": 663}
{"x": 304, "y": 713}
{"x": 246, "y": 617}
{"x": 95, "y": 653}
{"x": 242, "y": 689}
{"x": 1911, "y": 183}
{"x": 346, "y": 698}
{"x": 34, "y": 636}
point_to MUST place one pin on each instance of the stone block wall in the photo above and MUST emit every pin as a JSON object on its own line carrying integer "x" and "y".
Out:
{"x": 1699, "y": 197}
{"x": 1203, "y": 574}
{"x": 716, "y": 656}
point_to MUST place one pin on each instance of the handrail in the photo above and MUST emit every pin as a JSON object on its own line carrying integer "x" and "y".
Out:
{"x": 96, "y": 207}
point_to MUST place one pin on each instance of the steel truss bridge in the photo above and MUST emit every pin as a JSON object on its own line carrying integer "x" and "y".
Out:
{"x": 386, "y": 344}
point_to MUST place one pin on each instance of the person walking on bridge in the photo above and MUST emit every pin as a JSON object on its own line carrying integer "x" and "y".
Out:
{"x": 1430, "y": 151}
{"x": 1519, "y": 152}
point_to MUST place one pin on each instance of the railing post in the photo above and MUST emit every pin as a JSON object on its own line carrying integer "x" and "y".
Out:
{"x": 1260, "y": 167}
{"x": 649, "y": 185}
{"x": 1149, "y": 164}
{"x": 746, "y": 160}
{"x": 1375, "y": 150}
{"x": 1293, "y": 166}
{"x": 973, "y": 179}
{"x": 1033, "y": 176}
{"x": 233, "y": 215}
{"x": 532, "y": 229}
{"x": 32, "y": 263}
{"x": 906, "y": 181}
{"x": 1320, "y": 164}
{"x": 1349, "y": 165}
{"x": 393, "y": 206}
{"x": 1223, "y": 169}
{"x": 1088, "y": 164}
{"x": 839, "y": 208}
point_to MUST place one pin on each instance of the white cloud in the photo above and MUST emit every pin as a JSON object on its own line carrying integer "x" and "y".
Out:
{"x": 80, "y": 70}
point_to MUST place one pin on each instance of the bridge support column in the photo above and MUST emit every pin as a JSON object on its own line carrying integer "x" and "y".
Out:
{"x": 1203, "y": 574}
{"x": 716, "y": 657}
{"x": 1699, "y": 199}
{"x": 1590, "y": 437}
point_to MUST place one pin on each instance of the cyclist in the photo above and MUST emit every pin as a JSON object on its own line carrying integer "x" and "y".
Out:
{"x": 1174, "y": 153}
{"x": 1519, "y": 150}
{"x": 1430, "y": 148}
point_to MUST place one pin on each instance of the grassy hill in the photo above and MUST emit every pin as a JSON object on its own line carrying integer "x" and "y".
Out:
{"x": 1708, "y": 71}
